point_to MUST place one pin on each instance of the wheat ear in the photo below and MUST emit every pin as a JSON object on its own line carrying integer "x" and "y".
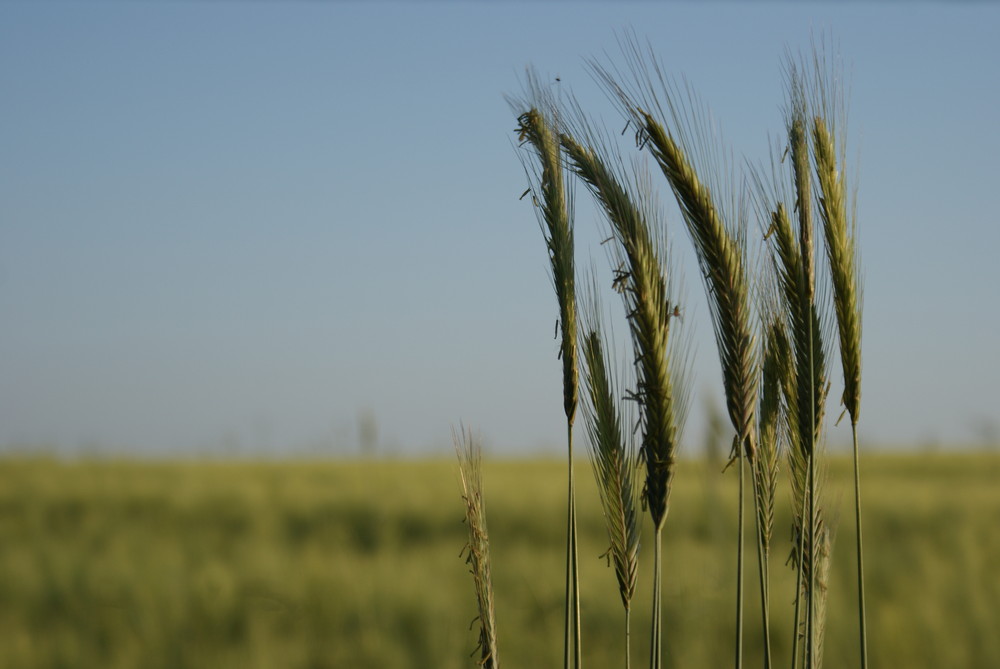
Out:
{"x": 539, "y": 127}
{"x": 796, "y": 271}
{"x": 722, "y": 258}
{"x": 469, "y": 454}
{"x": 766, "y": 464}
{"x": 614, "y": 463}
{"x": 801, "y": 174}
{"x": 649, "y": 312}
{"x": 843, "y": 258}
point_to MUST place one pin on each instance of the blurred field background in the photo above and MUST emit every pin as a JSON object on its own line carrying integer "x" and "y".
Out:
{"x": 356, "y": 564}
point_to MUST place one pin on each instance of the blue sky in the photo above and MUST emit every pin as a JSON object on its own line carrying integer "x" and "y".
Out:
{"x": 247, "y": 224}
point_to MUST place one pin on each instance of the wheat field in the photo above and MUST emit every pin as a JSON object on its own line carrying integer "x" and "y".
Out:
{"x": 357, "y": 564}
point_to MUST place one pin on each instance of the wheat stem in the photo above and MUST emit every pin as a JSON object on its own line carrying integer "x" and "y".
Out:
{"x": 799, "y": 578}
{"x": 540, "y": 128}
{"x": 656, "y": 638}
{"x": 721, "y": 256}
{"x": 628, "y": 640}
{"x": 613, "y": 458}
{"x": 573, "y": 552}
{"x": 571, "y": 638}
{"x": 842, "y": 256}
{"x": 762, "y": 563}
{"x": 862, "y": 622}
{"x": 739, "y": 566}
{"x": 649, "y": 311}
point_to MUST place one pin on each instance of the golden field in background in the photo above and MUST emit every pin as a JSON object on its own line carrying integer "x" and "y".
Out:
{"x": 117, "y": 564}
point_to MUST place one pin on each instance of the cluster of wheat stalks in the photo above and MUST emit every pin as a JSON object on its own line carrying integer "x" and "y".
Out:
{"x": 772, "y": 321}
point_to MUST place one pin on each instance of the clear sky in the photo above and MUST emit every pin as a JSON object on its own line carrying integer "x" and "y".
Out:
{"x": 249, "y": 224}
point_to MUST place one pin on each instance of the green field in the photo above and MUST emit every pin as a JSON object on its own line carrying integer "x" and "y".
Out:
{"x": 356, "y": 564}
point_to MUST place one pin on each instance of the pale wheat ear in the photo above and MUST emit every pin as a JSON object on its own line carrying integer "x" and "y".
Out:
{"x": 539, "y": 128}
{"x": 469, "y": 452}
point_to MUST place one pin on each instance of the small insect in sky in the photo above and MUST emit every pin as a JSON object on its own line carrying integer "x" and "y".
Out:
{"x": 676, "y": 313}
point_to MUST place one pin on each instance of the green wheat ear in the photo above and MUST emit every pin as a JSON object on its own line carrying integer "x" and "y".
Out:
{"x": 538, "y": 127}
{"x": 721, "y": 252}
{"x": 660, "y": 391}
{"x": 766, "y": 465}
{"x": 614, "y": 462}
{"x": 613, "y": 455}
{"x": 842, "y": 254}
{"x": 649, "y": 312}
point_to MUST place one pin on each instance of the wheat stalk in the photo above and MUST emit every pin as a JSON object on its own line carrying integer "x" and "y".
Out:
{"x": 722, "y": 258}
{"x": 841, "y": 252}
{"x": 538, "y": 126}
{"x": 823, "y": 560}
{"x": 469, "y": 454}
{"x": 614, "y": 461}
{"x": 793, "y": 258}
{"x": 649, "y": 312}
{"x": 662, "y": 400}
{"x": 766, "y": 465}
{"x": 842, "y": 256}
{"x": 721, "y": 252}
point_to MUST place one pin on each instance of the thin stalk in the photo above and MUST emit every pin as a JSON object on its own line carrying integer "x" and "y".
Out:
{"x": 568, "y": 601}
{"x": 862, "y": 623}
{"x": 656, "y": 638}
{"x": 628, "y": 635}
{"x": 574, "y": 552}
{"x": 571, "y": 638}
{"x": 799, "y": 577}
{"x": 539, "y": 127}
{"x": 762, "y": 562}
{"x": 811, "y": 627}
{"x": 739, "y": 572}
